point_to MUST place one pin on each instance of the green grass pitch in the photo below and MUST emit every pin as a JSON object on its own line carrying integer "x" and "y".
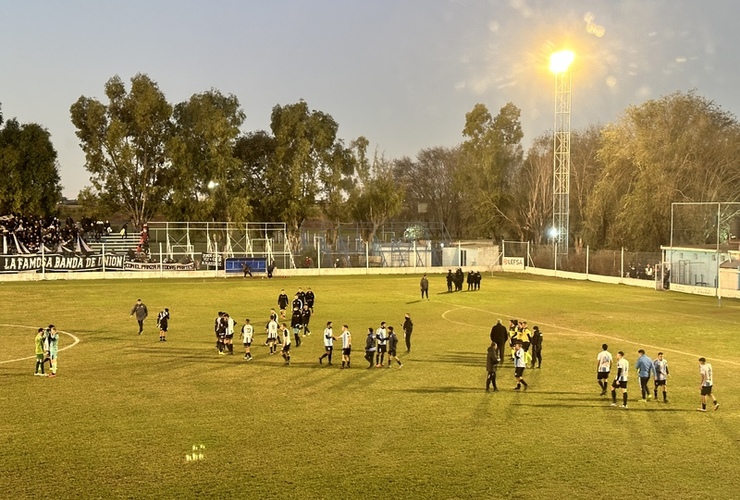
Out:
{"x": 125, "y": 409}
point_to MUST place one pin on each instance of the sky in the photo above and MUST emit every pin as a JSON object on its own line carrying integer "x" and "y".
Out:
{"x": 402, "y": 73}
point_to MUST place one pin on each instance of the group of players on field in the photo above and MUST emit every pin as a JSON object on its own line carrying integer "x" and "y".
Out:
{"x": 525, "y": 346}
{"x": 647, "y": 368}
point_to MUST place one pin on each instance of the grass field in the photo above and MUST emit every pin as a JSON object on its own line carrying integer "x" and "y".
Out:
{"x": 125, "y": 409}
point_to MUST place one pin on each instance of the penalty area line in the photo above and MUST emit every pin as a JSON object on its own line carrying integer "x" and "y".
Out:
{"x": 571, "y": 332}
{"x": 74, "y": 338}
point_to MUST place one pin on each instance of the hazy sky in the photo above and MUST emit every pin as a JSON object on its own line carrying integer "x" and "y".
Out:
{"x": 403, "y": 73}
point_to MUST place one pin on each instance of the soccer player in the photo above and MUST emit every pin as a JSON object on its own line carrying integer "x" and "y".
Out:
{"x": 229, "y": 333}
{"x": 297, "y": 302}
{"x": 392, "y": 345}
{"x": 296, "y": 322}
{"x": 328, "y": 343}
{"x": 370, "y": 347}
{"x": 424, "y": 286}
{"x": 603, "y": 368}
{"x": 492, "y": 361}
{"x": 707, "y": 382}
{"x": 644, "y": 367}
{"x": 52, "y": 339}
{"x": 217, "y": 327}
{"x": 282, "y": 301}
{"x": 141, "y": 313}
{"x": 306, "y": 319}
{"x": 382, "y": 338}
{"x": 39, "y": 342}
{"x": 272, "y": 332}
{"x": 535, "y": 339}
{"x": 523, "y": 335}
{"x": 163, "y": 320}
{"x": 285, "y": 351}
{"x": 346, "y": 345}
{"x": 310, "y": 298}
{"x": 247, "y": 335}
{"x": 620, "y": 381}
{"x": 660, "y": 368}
{"x": 408, "y": 329}
{"x": 301, "y": 296}
{"x": 520, "y": 363}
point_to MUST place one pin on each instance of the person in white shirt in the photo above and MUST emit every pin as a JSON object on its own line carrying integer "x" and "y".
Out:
{"x": 660, "y": 367}
{"x": 285, "y": 351}
{"x": 272, "y": 332}
{"x": 603, "y": 368}
{"x": 707, "y": 382}
{"x": 381, "y": 336}
{"x": 520, "y": 363}
{"x": 346, "y": 345}
{"x": 620, "y": 381}
{"x": 247, "y": 335}
{"x": 229, "y": 337}
{"x": 328, "y": 343}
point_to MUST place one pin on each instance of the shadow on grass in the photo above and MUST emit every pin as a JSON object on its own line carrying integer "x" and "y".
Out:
{"x": 631, "y": 408}
{"x": 442, "y": 390}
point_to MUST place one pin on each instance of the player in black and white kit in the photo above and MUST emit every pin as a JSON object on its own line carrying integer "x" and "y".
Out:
{"x": 310, "y": 298}
{"x": 707, "y": 383}
{"x": 620, "y": 381}
{"x": 392, "y": 345}
{"x": 272, "y": 333}
{"x": 382, "y": 337}
{"x": 285, "y": 351}
{"x": 346, "y": 345}
{"x": 520, "y": 363}
{"x": 660, "y": 367}
{"x": 229, "y": 334}
{"x": 247, "y": 335}
{"x": 603, "y": 368}
{"x": 163, "y": 321}
{"x": 328, "y": 343}
{"x": 296, "y": 323}
{"x": 219, "y": 327}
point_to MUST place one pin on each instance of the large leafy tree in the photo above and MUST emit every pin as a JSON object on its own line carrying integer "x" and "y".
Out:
{"x": 681, "y": 147}
{"x": 532, "y": 191}
{"x": 207, "y": 180}
{"x": 305, "y": 143}
{"x": 491, "y": 153}
{"x": 255, "y": 152}
{"x": 28, "y": 168}
{"x": 124, "y": 143}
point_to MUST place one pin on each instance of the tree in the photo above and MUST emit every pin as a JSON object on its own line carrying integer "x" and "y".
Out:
{"x": 29, "y": 169}
{"x": 681, "y": 147}
{"x": 532, "y": 191}
{"x": 304, "y": 145}
{"x": 429, "y": 181}
{"x": 256, "y": 154}
{"x": 490, "y": 156}
{"x": 206, "y": 179}
{"x": 377, "y": 197}
{"x": 336, "y": 183}
{"x": 124, "y": 144}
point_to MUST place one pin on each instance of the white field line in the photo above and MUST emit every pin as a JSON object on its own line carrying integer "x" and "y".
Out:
{"x": 580, "y": 333}
{"x": 76, "y": 341}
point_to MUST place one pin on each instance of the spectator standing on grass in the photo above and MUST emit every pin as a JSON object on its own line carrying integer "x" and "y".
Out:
{"x": 660, "y": 368}
{"x": 346, "y": 337}
{"x": 535, "y": 340}
{"x": 620, "y": 381}
{"x": 424, "y": 285}
{"x": 328, "y": 343}
{"x": 707, "y": 383}
{"x": 370, "y": 348}
{"x": 163, "y": 322}
{"x": 141, "y": 313}
{"x": 450, "y": 279}
{"x": 492, "y": 361}
{"x": 283, "y": 302}
{"x": 247, "y": 335}
{"x": 644, "y": 367}
{"x": 408, "y": 329}
{"x": 603, "y": 368}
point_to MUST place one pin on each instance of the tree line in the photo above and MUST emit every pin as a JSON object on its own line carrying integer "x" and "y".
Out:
{"x": 190, "y": 161}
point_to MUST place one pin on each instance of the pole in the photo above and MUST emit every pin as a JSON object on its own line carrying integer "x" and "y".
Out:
{"x": 555, "y": 266}
{"x": 586, "y": 261}
{"x": 318, "y": 255}
{"x": 161, "y": 263}
{"x": 621, "y": 266}
{"x": 215, "y": 253}
{"x": 719, "y": 293}
{"x": 367, "y": 257}
{"x": 103, "y": 250}
{"x": 43, "y": 262}
{"x": 414, "y": 255}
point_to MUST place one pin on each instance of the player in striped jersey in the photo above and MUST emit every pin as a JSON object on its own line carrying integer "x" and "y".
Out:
{"x": 520, "y": 363}
{"x": 163, "y": 320}
{"x": 382, "y": 337}
{"x": 229, "y": 336}
{"x": 660, "y": 367}
{"x": 707, "y": 382}
{"x": 328, "y": 343}
{"x": 285, "y": 351}
{"x": 247, "y": 335}
{"x": 603, "y": 368}
{"x": 272, "y": 332}
{"x": 346, "y": 345}
{"x": 620, "y": 381}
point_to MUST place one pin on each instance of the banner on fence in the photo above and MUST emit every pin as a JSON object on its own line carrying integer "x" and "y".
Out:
{"x": 513, "y": 263}
{"x": 236, "y": 264}
{"x": 156, "y": 266}
{"x": 212, "y": 260}
{"x": 58, "y": 262}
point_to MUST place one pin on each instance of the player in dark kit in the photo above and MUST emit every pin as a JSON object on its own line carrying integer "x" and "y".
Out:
{"x": 370, "y": 348}
{"x": 500, "y": 336}
{"x": 392, "y": 345}
{"x": 306, "y": 319}
{"x": 310, "y": 298}
{"x": 492, "y": 361}
{"x": 408, "y": 329}
{"x": 535, "y": 340}
{"x": 297, "y": 302}
{"x": 296, "y": 322}
{"x": 163, "y": 320}
{"x": 283, "y": 302}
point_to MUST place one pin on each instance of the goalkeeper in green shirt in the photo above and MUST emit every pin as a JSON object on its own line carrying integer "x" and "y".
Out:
{"x": 40, "y": 353}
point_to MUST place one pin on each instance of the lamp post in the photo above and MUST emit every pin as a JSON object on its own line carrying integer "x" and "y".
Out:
{"x": 560, "y": 63}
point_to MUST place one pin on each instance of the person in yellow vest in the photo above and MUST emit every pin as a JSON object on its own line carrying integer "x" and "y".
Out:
{"x": 523, "y": 335}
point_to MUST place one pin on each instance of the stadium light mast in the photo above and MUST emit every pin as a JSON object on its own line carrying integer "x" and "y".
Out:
{"x": 560, "y": 63}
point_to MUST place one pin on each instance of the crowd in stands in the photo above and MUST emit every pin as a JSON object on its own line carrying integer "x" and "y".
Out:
{"x": 26, "y": 233}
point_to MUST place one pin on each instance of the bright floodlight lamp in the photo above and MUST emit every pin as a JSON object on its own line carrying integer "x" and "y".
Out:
{"x": 560, "y": 63}
{"x": 212, "y": 185}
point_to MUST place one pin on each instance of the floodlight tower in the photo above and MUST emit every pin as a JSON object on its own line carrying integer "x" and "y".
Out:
{"x": 560, "y": 65}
